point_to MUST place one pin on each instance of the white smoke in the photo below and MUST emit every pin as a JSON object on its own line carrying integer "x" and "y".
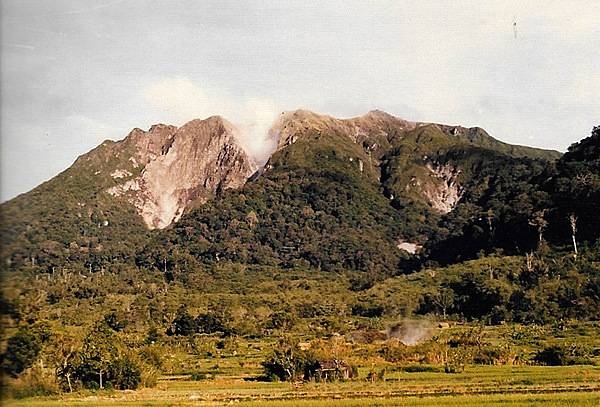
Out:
{"x": 255, "y": 120}
{"x": 410, "y": 332}
{"x": 178, "y": 100}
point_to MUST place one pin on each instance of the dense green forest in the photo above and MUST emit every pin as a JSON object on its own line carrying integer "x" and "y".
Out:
{"x": 331, "y": 215}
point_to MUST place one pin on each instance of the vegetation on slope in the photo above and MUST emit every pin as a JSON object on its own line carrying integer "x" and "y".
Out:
{"x": 308, "y": 249}
{"x": 70, "y": 221}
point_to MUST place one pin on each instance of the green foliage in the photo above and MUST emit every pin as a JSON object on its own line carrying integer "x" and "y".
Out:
{"x": 102, "y": 362}
{"x": 575, "y": 190}
{"x": 308, "y": 249}
{"x": 183, "y": 324}
{"x": 281, "y": 320}
{"x": 197, "y": 376}
{"x": 314, "y": 208}
{"x": 71, "y": 222}
{"x": 210, "y": 323}
{"x": 376, "y": 376}
{"x": 420, "y": 368}
{"x": 124, "y": 374}
{"x": 288, "y": 363}
{"x": 114, "y": 321}
{"x": 563, "y": 355}
{"x": 23, "y": 348}
{"x": 207, "y": 323}
{"x": 35, "y": 382}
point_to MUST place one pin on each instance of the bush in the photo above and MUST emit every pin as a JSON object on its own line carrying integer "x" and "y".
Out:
{"x": 34, "y": 383}
{"x": 367, "y": 311}
{"x": 116, "y": 322}
{"x": 125, "y": 374}
{"x": 354, "y": 372}
{"x": 492, "y": 355}
{"x": 562, "y": 355}
{"x": 153, "y": 356}
{"x": 419, "y": 368}
{"x": 551, "y": 356}
{"x": 196, "y": 376}
{"x": 183, "y": 324}
{"x": 374, "y": 376}
{"x": 288, "y": 363}
{"x": 149, "y": 376}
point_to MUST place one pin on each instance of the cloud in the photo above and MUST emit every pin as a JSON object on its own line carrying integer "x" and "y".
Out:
{"x": 180, "y": 99}
{"x": 91, "y": 131}
{"x": 450, "y": 62}
{"x": 62, "y": 140}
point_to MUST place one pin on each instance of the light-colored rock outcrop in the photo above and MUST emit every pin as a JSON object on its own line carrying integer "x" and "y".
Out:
{"x": 181, "y": 167}
{"x": 444, "y": 192}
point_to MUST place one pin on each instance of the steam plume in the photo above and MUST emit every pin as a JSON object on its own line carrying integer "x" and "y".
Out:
{"x": 180, "y": 99}
{"x": 410, "y": 332}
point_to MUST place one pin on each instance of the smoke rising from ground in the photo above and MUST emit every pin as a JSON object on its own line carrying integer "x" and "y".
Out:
{"x": 178, "y": 100}
{"x": 410, "y": 332}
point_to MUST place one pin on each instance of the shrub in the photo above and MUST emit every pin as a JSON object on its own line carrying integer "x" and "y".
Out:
{"x": 152, "y": 355}
{"x": 374, "y": 376}
{"x": 183, "y": 324}
{"x": 419, "y": 368}
{"x": 368, "y": 311}
{"x": 562, "y": 355}
{"x": 125, "y": 374}
{"x": 196, "y": 376}
{"x": 149, "y": 376}
{"x": 115, "y": 321}
{"x": 33, "y": 383}
{"x": 289, "y": 363}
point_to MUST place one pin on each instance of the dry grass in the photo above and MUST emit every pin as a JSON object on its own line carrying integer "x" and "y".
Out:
{"x": 488, "y": 385}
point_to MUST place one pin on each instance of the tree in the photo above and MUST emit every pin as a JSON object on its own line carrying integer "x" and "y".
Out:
{"x": 22, "y": 351}
{"x": 444, "y": 299}
{"x": 125, "y": 374}
{"x": 540, "y": 224}
{"x": 209, "y": 323}
{"x": 115, "y": 321}
{"x": 183, "y": 324}
{"x": 66, "y": 361}
{"x": 99, "y": 351}
{"x": 573, "y": 223}
{"x": 101, "y": 362}
{"x": 287, "y": 362}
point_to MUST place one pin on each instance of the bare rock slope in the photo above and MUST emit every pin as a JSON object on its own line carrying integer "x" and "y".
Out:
{"x": 181, "y": 168}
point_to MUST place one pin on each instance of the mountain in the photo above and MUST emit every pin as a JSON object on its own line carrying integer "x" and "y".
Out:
{"x": 367, "y": 193}
{"x": 104, "y": 204}
{"x": 362, "y": 194}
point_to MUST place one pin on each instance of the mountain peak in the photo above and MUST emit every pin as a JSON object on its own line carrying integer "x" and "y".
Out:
{"x": 180, "y": 167}
{"x": 379, "y": 113}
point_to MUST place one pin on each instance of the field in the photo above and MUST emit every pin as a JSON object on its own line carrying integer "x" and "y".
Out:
{"x": 478, "y": 385}
{"x": 231, "y": 340}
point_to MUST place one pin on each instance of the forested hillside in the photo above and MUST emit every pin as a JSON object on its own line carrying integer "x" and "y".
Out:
{"x": 315, "y": 247}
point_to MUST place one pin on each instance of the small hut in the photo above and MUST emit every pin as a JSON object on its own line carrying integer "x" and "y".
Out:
{"x": 335, "y": 369}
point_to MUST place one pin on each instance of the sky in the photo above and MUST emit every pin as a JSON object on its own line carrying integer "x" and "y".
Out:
{"x": 74, "y": 73}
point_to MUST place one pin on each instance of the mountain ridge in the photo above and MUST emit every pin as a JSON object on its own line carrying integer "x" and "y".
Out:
{"x": 410, "y": 174}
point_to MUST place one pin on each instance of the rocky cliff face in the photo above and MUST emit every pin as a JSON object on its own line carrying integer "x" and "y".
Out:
{"x": 178, "y": 168}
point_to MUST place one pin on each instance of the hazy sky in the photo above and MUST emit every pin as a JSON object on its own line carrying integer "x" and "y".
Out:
{"x": 77, "y": 72}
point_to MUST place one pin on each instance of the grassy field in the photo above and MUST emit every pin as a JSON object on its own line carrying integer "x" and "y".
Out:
{"x": 478, "y": 385}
